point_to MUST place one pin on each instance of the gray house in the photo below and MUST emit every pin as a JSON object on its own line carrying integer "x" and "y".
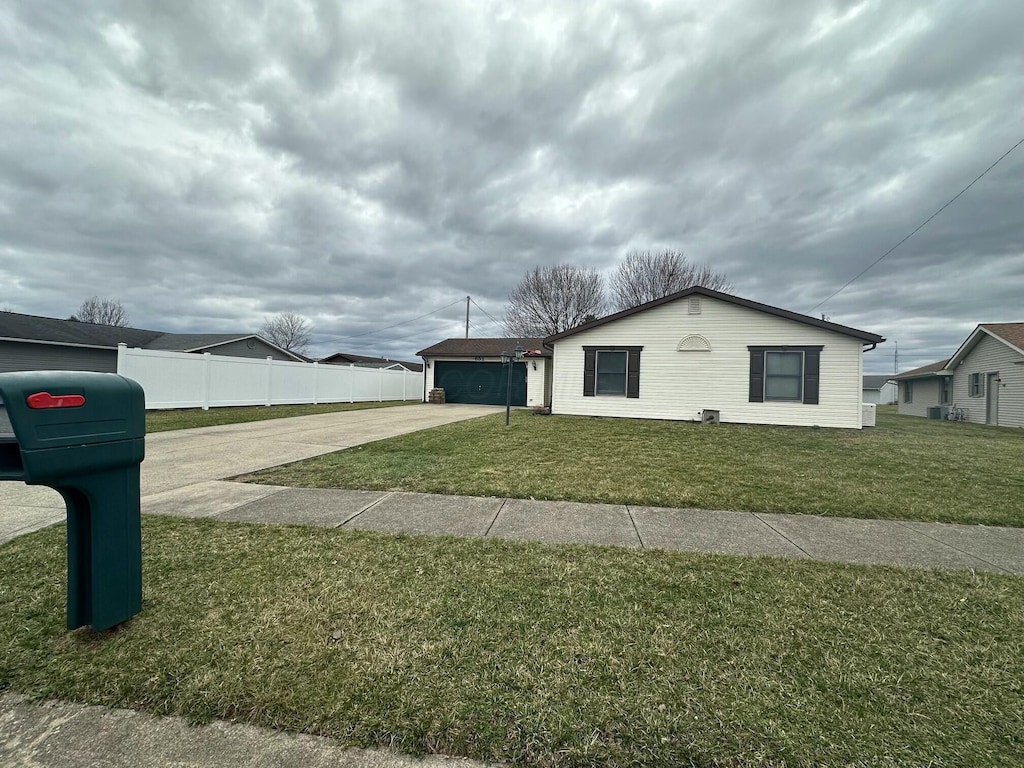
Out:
{"x": 982, "y": 382}
{"x": 32, "y": 343}
{"x": 923, "y": 388}
{"x": 988, "y": 375}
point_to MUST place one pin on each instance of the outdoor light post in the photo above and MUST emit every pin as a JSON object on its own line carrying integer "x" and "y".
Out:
{"x": 509, "y": 359}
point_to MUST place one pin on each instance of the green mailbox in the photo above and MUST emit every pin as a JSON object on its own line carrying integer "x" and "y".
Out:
{"x": 83, "y": 434}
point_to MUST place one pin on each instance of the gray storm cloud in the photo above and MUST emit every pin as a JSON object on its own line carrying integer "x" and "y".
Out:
{"x": 361, "y": 164}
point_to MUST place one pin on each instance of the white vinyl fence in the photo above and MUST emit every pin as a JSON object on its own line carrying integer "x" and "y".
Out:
{"x": 187, "y": 380}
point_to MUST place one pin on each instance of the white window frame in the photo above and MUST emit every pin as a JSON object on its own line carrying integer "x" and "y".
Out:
{"x": 597, "y": 373}
{"x": 800, "y": 392}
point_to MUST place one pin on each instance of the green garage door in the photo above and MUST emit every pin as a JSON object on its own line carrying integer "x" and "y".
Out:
{"x": 480, "y": 383}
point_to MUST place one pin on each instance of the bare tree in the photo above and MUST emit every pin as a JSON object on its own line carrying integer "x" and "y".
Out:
{"x": 648, "y": 275}
{"x": 289, "y": 331}
{"x": 554, "y": 299}
{"x": 101, "y": 312}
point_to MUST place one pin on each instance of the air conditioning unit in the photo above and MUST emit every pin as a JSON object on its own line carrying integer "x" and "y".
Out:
{"x": 710, "y": 416}
{"x": 867, "y": 414}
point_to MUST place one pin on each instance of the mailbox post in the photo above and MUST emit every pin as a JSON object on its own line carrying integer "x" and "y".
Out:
{"x": 83, "y": 434}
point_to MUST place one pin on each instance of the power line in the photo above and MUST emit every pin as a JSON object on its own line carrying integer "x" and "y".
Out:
{"x": 485, "y": 311}
{"x": 399, "y": 338}
{"x": 922, "y": 226}
{"x": 389, "y": 327}
{"x": 481, "y": 329}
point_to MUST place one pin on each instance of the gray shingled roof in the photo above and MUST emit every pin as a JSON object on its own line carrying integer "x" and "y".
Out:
{"x": 482, "y": 347}
{"x": 50, "y": 329}
{"x": 182, "y": 342}
{"x": 933, "y": 369}
{"x": 34, "y": 328}
{"x": 873, "y": 381}
{"x": 344, "y": 358}
{"x": 1010, "y": 332}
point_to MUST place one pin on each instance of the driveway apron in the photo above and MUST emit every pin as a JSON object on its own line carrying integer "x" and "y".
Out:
{"x": 183, "y": 468}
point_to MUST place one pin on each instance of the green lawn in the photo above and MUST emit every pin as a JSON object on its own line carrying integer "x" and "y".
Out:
{"x": 188, "y": 418}
{"x": 538, "y": 655}
{"x": 905, "y": 468}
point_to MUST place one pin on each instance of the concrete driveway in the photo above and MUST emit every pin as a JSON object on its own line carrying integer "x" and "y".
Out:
{"x": 180, "y": 466}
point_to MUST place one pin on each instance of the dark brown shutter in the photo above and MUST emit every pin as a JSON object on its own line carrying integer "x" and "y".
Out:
{"x": 589, "y": 371}
{"x": 757, "y": 375}
{"x": 812, "y": 363}
{"x": 633, "y": 374}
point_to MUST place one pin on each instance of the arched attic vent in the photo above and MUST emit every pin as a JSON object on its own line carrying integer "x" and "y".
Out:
{"x": 694, "y": 343}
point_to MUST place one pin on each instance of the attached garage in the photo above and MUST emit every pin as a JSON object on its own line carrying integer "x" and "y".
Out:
{"x": 471, "y": 371}
{"x": 480, "y": 383}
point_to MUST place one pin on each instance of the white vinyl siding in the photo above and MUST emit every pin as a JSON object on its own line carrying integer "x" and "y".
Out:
{"x": 990, "y": 355}
{"x": 925, "y": 396}
{"x": 679, "y": 385}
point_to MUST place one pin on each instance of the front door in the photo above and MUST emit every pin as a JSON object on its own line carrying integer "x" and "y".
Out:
{"x": 992, "y": 399}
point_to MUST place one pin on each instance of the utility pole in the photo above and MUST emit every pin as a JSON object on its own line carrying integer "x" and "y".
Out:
{"x": 467, "y": 317}
{"x": 896, "y": 359}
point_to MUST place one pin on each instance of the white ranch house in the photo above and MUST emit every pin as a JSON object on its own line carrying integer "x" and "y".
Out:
{"x": 693, "y": 351}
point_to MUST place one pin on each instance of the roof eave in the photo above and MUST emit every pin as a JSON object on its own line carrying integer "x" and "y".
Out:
{"x": 282, "y": 350}
{"x": 868, "y": 338}
{"x": 57, "y": 343}
{"x": 942, "y": 374}
{"x": 964, "y": 349}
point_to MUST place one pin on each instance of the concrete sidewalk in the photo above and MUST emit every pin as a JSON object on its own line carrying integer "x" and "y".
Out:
{"x": 60, "y": 735}
{"x": 828, "y": 539}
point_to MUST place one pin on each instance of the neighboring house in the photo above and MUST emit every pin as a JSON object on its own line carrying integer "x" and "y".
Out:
{"x": 31, "y": 343}
{"x": 699, "y": 350}
{"x": 988, "y": 375}
{"x": 878, "y": 389}
{"x": 471, "y": 371}
{"x": 365, "y": 361}
{"x": 923, "y": 388}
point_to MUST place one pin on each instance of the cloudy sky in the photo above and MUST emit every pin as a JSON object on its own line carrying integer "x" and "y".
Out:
{"x": 212, "y": 163}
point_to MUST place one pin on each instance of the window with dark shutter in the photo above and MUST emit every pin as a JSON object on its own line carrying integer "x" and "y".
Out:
{"x": 589, "y": 371}
{"x": 611, "y": 371}
{"x": 785, "y": 374}
{"x": 975, "y": 385}
{"x": 756, "y": 375}
{"x": 812, "y": 364}
{"x": 633, "y": 374}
